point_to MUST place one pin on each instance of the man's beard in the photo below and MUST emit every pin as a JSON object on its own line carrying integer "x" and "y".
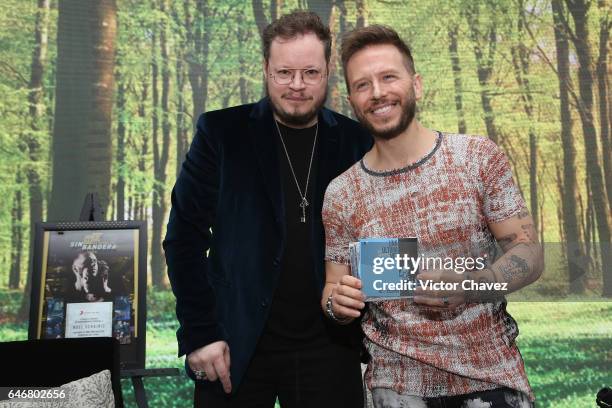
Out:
{"x": 296, "y": 119}
{"x": 407, "y": 115}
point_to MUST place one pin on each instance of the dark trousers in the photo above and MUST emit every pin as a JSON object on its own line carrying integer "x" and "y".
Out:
{"x": 328, "y": 376}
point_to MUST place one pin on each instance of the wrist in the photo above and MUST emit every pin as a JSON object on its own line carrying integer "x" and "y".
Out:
{"x": 485, "y": 276}
{"x": 329, "y": 311}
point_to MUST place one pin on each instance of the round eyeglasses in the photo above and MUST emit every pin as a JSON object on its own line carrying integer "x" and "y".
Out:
{"x": 285, "y": 76}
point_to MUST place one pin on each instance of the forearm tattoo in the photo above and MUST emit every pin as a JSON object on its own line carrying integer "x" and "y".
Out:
{"x": 513, "y": 268}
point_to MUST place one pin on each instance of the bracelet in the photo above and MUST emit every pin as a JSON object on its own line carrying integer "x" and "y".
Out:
{"x": 330, "y": 312}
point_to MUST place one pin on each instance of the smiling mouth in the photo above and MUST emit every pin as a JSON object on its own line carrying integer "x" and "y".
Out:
{"x": 383, "y": 109}
{"x": 296, "y": 98}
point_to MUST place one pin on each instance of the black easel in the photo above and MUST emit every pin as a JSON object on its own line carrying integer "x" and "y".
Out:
{"x": 136, "y": 376}
{"x": 92, "y": 211}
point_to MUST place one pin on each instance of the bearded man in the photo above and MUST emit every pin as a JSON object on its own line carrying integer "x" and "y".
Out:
{"x": 245, "y": 240}
{"x": 450, "y": 348}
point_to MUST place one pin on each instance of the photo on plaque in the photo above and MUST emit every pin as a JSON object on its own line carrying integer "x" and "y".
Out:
{"x": 89, "y": 281}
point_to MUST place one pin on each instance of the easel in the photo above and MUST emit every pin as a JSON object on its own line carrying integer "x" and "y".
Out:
{"x": 136, "y": 376}
{"x": 92, "y": 211}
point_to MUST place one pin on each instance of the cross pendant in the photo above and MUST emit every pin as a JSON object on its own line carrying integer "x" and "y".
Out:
{"x": 303, "y": 204}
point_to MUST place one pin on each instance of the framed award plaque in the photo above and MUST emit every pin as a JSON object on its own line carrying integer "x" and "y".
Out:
{"x": 89, "y": 280}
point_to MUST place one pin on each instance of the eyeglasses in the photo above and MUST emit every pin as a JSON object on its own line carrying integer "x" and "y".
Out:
{"x": 285, "y": 76}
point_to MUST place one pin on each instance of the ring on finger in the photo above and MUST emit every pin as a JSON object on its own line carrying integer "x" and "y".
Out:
{"x": 200, "y": 375}
{"x": 445, "y": 301}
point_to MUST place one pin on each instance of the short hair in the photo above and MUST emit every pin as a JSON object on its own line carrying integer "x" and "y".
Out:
{"x": 377, "y": 34}
{"x": 293, "y": 24}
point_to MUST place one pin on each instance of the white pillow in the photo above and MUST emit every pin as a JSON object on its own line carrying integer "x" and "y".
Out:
{"x": 94, "y": 391}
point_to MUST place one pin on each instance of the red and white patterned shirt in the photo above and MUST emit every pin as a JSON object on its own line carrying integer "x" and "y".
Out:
{"x": 446, "y": 200}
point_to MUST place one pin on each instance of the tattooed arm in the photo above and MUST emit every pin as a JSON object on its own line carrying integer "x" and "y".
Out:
{"x": 521, "y": 264}
{"x": 523, "y": 261}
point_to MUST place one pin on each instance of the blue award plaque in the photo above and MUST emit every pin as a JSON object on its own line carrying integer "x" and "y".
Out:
{"x": 385, "y": 266}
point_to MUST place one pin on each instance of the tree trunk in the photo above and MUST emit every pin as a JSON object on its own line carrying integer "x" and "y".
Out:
{"x": 335, "y": 96}
{"x": 603, "y": 88}
{"x": 144, "y": 148}
{"x": 39, "y": 60}
{"x": 182, "y": 141}
{"x": 121, "y": 164}
{"x": 160, "y": 164}
{"x": 275, "y": 9}
{"x": 32, "y": 140}
{"x": 485, "y": 45}
{"x": 569, "y": 196}
{"x": 155, "y": 131}
{"x": 454, "y": 56}
{"x": 579, "y": 10}
{"x": 243, "y": 36}
{"x": 198, "y": 34}
{"x": 16, "y": 234}
{"x": 345, "y": 106}
{"x": 362, "y": 14}
{"x": 512, "y": 157}
{"x": 520, "y": 63}
{"x": 83, "y": 105}
{"x": 559, "y": 181}
{"x": 260, "y": 16}
{"x": 130, "y": 203}
{"x": 324, "y": 9}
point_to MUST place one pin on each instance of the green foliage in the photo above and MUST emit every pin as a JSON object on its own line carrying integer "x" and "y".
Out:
{"x": 16, "y": 47}
{"x": 566, "y": 349}
{"x": 234, "y": 61}
{"x": 9, "y": 304}
{"x": 555, "y": 336}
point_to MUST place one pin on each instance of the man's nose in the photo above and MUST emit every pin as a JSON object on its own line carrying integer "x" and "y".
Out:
{"x": 378, "y": 90}
{"x": 297, "y": 82}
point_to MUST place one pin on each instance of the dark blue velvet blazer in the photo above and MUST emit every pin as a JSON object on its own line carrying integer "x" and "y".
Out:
{"x": 226, "y": 232}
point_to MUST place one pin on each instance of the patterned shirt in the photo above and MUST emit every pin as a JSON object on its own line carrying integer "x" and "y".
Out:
{"x": 446, "y": 200}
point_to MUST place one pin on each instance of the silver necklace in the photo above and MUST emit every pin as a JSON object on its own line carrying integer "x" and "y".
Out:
{"x": 304, "y": 203}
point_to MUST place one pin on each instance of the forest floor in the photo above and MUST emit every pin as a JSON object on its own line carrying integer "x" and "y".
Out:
{"x": 567, "y": 348}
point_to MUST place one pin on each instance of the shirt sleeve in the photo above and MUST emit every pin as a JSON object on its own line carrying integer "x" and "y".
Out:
{"x": 502, "y": 198}
{"x": 337, "y": 231}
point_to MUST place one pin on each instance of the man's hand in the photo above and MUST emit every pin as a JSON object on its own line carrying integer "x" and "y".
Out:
{"x": 347, "y": 299}
{"x": 78, "y": 283}
{"x": 445, "y": 299}
{"x": 453, "y": 293}
{"x": 214, "y": 360}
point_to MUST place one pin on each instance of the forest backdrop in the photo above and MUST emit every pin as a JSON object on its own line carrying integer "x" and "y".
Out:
{"x": 102, "y": 96}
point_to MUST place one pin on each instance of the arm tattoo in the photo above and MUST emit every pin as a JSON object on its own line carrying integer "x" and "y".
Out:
{"x": 523, "y": 214}
{"x": 515, "y": 267}
{"x": 528, "y": 231}
{"x": 506, "y": 241}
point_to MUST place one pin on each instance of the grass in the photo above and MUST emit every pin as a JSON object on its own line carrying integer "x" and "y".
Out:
{"x": 567, "y": 348}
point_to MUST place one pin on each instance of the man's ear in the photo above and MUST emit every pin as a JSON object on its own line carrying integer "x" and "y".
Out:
{"x": 348, "y": 98}
{"x": 264, "y": 65}
{"x": 417, "y": 86}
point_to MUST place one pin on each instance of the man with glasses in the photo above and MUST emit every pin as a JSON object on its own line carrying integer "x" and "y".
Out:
{"x": 245, "y": 240}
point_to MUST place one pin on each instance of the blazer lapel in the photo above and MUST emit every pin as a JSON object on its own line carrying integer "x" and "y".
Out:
{"x": 327, "y": 158}
{"x": 327, "y": 169}
{"x": 263, "y": 136}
